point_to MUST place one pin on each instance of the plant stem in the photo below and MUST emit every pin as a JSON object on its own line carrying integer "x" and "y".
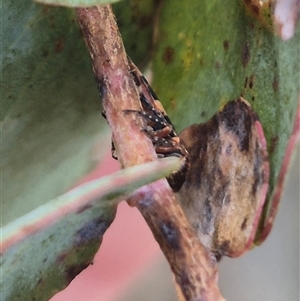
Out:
{"x": 194, "y": 269}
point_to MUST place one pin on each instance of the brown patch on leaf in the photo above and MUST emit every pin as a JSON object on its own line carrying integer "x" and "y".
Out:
{"x": 246, "y": 82}
{"x": 245, "y": 55}
{"x": 92, "y": 230}
{"x": 40, "y": 281}
{"x": 168, "y": 55}
{"x": 73, "y": 270}
{"x": 228, "y": 178}
{"x": 59, "y": 45}
{"x": 217, "y": 65}
{"x": 275, "y": 84}
{"x": 252, "y": 81}
{"x": 226, "y": 45}
{"x": 273, "y": 144}
{"x": 61, "y": 257}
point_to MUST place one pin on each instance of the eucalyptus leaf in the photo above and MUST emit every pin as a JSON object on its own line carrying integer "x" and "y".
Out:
{"x": 51, "y": 119}
{"x": 136, "y": 23}
{"x": 213, "y": 52}
{"x": 46, "y": 248}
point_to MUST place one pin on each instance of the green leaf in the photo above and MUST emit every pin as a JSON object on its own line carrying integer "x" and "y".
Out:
{"x": 51, "y": 113}
{"x": 210, "y": 52}
{"x": 136, "y": 22}
{"x": 46, "y": 248}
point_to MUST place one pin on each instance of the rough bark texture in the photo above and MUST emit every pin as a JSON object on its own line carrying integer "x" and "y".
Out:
{"x": 194, "y": 269}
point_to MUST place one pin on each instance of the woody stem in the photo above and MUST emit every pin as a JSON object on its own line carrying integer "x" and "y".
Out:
{"x": 195, "y": 271}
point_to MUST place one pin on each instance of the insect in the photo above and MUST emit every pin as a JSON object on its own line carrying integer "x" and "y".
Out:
{"x": 227, "y": 182}
{"x": 159, "y": 127}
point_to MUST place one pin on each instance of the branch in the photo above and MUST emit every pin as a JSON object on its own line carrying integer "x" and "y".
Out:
{"x": 194, "y": 269}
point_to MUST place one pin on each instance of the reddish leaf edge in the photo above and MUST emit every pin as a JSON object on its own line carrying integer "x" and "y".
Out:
{"x": 276, "y": 195}
{"x": 108, "y": 190}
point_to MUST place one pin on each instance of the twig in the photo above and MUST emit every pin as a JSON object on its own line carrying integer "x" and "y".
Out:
{"x": 194, "y": 269}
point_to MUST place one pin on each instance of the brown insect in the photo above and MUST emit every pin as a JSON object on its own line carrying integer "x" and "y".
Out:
{"x": 159, "y": 127}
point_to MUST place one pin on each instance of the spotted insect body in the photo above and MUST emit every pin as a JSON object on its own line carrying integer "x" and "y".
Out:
{"x": 159, "y": 127}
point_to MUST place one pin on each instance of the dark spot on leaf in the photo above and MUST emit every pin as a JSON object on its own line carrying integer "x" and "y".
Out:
{"x": 244, "y": 224}
{"x": 203, "y": 114}
{"x": 145, "y": 21}
{"x": 217, "y": 65}
{"x": 72, "y": 271}
{"x": 273, "y": 144}
{"x": 40, "y": 281}
{"x": 85, "y": 207}
{"x": 252, "y": 6}
{"x": 133, "y": 47}
{"x": 246, "y": 82}
{"x": 170, "y": 234}
{"x": 275, "y": 84}
{"x": 237, "y": 119}
{"x": 255, "y": 9}
{"x": 168, "y": 55}
{"x": 45, "y": 9}
{"x": 252, "y": 81}
{"x": 253, "y": 98}
{"x": 245, "y": 55}
{"x": 60, "y": 258}
{"x": 93, "y": 229}
{"x": 59, "y": 45}
{"x": 226, "y": 44}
